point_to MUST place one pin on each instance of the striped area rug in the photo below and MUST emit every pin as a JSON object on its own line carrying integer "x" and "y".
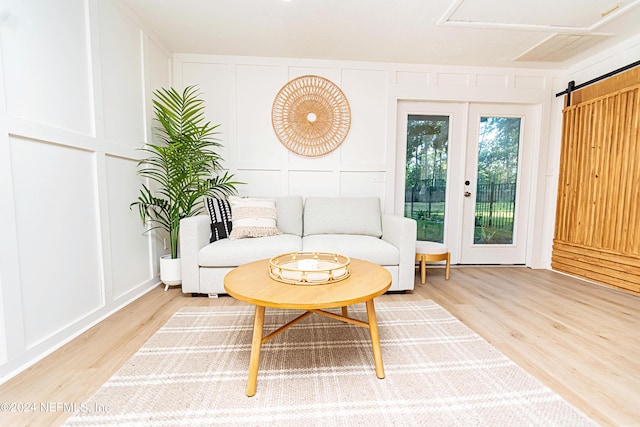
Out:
{"x": 193, "y": 372}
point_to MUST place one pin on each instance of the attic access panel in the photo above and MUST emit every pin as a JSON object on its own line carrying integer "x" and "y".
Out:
{"x": 552, "y": 15}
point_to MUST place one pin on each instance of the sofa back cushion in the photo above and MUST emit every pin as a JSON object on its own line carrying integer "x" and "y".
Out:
{"x": 289, "y": 212}
{"x": 342, "y": 215}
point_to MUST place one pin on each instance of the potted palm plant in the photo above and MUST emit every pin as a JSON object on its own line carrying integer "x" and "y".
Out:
{"x": 182, "y": 169}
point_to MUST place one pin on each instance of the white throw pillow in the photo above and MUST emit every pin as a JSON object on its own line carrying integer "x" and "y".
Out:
{"x": 253, "y": 217}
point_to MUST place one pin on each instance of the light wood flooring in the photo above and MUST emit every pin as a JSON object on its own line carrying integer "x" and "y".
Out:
{"x": 581, "y": 339}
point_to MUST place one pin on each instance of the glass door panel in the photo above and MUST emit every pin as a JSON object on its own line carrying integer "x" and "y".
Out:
{"x": 497, "y": 174}
{"x": 426, "y": 174}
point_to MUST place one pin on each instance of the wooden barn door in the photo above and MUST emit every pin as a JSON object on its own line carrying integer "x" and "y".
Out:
{"x": 597, "y": 232}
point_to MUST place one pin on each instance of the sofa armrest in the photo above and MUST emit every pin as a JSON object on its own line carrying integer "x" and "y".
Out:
{"x": 401, "y": 232}
{"x": 194, "y": 235}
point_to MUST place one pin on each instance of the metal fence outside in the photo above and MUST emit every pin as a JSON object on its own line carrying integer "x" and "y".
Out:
{"x": 495, "y": 203}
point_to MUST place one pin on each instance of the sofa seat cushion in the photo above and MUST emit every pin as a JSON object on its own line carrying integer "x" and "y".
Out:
{"x": 232, "y": 253}
{"x": 354, "y": 246}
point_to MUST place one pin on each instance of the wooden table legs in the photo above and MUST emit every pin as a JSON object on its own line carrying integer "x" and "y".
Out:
{"x": 256, "y": 344}
{"x": 258, "y": 339}
{"x": 375, "y": 339}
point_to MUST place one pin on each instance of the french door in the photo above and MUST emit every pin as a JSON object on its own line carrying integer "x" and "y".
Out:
{"x": 496, "y": 184}
{"x": 466, "y": 170}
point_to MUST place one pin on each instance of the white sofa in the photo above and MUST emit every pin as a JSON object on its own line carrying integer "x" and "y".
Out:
{"x": 353, "y": 226}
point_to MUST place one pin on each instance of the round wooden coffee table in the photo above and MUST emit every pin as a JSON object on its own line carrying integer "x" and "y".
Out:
{"x": 252, "y": 283}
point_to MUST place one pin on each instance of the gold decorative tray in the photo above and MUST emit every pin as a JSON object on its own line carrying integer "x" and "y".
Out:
{"x": 309, "y": 268}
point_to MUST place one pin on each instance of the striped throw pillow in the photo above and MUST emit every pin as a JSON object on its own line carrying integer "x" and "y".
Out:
{"x": 253, "y": 217}
{"x": 220, "y": 214}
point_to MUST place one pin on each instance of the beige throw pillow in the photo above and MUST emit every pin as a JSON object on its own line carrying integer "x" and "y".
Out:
{"x": 252, "y": 217}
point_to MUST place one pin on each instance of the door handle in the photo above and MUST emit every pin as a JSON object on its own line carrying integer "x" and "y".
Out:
{"x": 467, "y": 194}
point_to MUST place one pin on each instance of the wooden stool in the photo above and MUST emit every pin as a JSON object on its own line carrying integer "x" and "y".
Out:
{"x": 431, "y": 251}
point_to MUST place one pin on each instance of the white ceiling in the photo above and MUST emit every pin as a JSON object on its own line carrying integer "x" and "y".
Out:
{"x": 522, "y": 33}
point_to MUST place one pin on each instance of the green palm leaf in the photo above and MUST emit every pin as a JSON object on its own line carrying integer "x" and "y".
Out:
{"x": 184, "y": 168}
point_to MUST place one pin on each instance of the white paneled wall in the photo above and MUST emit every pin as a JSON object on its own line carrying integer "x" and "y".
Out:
{"x": 39, "y": 85}
{"x": 57, "y": 222}
{"x": 75, "y": 74}
{"x": 240, "y": 93}
{"x": 216, "y": 85}
{"x": 257, "y": 146}
{"x": 120, "y": 55}
{"x": 241, "y": 90}
{"x": 130, "y": 252}
{"x": 366, "y": 145}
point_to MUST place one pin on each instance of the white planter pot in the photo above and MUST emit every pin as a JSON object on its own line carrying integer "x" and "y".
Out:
{"x": 170, "y": 271}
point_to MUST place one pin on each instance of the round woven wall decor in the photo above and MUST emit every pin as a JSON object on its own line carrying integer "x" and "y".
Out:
{"x": 311, "y": 116}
